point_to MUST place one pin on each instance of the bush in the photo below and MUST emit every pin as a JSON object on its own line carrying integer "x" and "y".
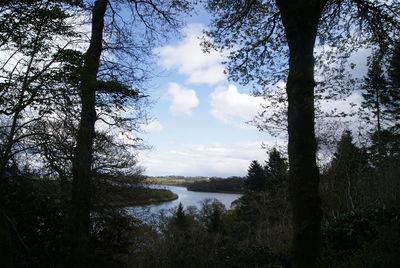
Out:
{"x": 368, "y": 238}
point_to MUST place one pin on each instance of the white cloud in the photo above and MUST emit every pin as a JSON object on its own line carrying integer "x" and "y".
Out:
{"x": 205, "y": 160}
{"x": 152, "y": 127}
{"x": 188, "y": 57}
{"x": 233, "y": 107}
{"x": 346, "y": 105}
{"x": 183, "y": 100}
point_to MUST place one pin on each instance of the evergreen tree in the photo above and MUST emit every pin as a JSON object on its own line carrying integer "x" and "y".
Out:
{"x": 275, "y": 169}
{"x": 394, "y": 87}
{"x": 375, "y": 93}
{"x": 346, "y": 170}
{"x": 386, "y": 151}
{"x": 256, "y": 179}
{"x": 179, "y": 216}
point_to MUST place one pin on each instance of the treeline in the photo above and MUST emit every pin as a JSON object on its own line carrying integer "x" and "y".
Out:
{"x": 220, "y": 185}
{"x": 361, "y": 209}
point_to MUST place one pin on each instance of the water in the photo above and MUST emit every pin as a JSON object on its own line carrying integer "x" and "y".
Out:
{"x": 187, "y": 198}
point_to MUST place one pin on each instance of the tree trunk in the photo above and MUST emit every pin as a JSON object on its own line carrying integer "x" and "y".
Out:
{"x": 300, "y": 19}
{"x": 81, "y": 166}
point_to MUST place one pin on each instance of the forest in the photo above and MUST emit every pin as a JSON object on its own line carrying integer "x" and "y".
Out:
{"x": 74, "y": 90}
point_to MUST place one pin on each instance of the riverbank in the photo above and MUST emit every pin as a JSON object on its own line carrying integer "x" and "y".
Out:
{"x": 131, "y": 196}
{"x": 175, "y": 181}
{"x": 231, "y": 185}
{"x": 187, "y": 198}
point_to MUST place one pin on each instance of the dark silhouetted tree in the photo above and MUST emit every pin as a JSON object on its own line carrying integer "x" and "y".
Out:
{"x": 347, "y": 170}
{"x": 276, "y": 169}
{"x": 270, "y": 41}
{"x": 393, "y": 107}
{"x": 256, "y": 179}
{"x": 154, "y": 18}
{"x": 179, "y": 217}
{"x": 36, "y": 63}
{"x": 375, "y": 94}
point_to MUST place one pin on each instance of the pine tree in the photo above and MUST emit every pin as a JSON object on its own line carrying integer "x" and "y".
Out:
{"x": 276, "y": 169}
{"x": 375, "y": 93}
{"x": 346, "y": 169}
{"x": 179, "y": 216}
{"x": 394, "y": 87}
{"x": 256, "y": 179}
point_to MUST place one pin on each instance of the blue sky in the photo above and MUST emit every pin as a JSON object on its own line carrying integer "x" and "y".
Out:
{"x": 199, "y": 117}
{"x": 199, "y": 126}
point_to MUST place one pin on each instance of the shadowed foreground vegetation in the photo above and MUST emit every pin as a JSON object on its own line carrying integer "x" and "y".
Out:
{"x": 256, "y": 232}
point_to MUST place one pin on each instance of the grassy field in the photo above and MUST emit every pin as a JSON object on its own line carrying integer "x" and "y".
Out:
{"x": 175, "y": 181}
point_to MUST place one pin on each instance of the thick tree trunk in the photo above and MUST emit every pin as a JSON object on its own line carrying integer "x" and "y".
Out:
{"x": 81, "y": 186}
{"x": 300, "y": 19}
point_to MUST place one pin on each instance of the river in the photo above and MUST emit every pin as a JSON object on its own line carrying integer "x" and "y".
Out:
{"x": 187, "y": 198}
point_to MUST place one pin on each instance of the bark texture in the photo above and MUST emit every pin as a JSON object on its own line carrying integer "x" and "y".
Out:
{"x": 82, "y": 162}
{"x": 300, "y": 19}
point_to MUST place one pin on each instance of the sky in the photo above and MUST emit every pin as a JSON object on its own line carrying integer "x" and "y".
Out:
{"x": 199, "y": 117}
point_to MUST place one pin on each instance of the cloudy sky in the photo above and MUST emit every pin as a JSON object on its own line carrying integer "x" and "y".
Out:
{"x": 199, "y": 126}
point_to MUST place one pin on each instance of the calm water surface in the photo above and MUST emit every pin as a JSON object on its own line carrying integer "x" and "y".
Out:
{"x": 187, "y": 198}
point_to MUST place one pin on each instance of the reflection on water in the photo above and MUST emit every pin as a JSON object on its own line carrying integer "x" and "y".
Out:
{"x": 187, "y": 198}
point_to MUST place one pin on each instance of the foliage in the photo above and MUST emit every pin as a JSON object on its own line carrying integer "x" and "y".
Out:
{"x": 375, "y": 92}
{"x": 256, "y": 179}
{"x": 37, "y": 67}
{"x": 380, "y": 94}
{"x": 394, "y": 84}
{"x": 219, "y": 185}
{"x": 40, "y": 79}
{"x": 276, "y": 169}
{"x": 34, "y": 212}
{"x": 351, "y": 235}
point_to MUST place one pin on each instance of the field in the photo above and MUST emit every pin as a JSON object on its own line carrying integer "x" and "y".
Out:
{"x": 175, "y": 181}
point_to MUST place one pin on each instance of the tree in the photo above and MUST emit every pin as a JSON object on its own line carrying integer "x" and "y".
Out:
{"x": 347, "y": 170}
{"x": 260, "y": 35}
{"x": 179, "y": 217}
{"x": 381, "y": 95}
{"x": 275, "y": 169}
{"x": 153, "y": 18}
{"x": 36, "y": 62}
{"x": 375, "y": 93}
{"x": 81, "y": 165}
{"x": 385, "y": 149}
{"x": 256, "y": 179}
{"x": 211, "y": 214}
{"x": 394, "y": 86}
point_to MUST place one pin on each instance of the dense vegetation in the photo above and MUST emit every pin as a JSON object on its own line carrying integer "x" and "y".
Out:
{"x": 219, "y": 185}
{"x": 202, "y": 184}
{"x": 65, "y": 171}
